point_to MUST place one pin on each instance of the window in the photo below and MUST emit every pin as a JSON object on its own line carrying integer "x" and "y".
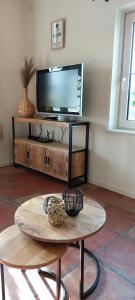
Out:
{"x": 122, "y": 110}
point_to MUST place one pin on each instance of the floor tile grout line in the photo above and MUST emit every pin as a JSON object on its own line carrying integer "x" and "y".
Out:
{"x": 127, "y": 231}
{"x": 109, "y": 243}
{"x": 116, "y": 272}
{"x": 122, "y": 234}
{"x": 100, "y": 262}
{"x": 106, "y": 267}
{"x": 120, "y": 207}
{"x": 75, "y": 267}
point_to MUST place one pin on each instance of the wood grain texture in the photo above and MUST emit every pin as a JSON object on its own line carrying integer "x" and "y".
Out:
{"x": 17, "y": 250}
{"x": 31, "y": 218}
{"x": 51, "y": 158}
{"x": 23, "y": 153}
{"x": 42, "y": 122}
{"x": 78, "y": 164}
{"x": 55, "y": 164}
{"x": 51, "y": 146}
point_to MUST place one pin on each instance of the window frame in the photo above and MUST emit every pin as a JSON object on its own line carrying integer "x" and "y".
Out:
{"x": 125, "y": 73}
{"x": 118, "y": 107}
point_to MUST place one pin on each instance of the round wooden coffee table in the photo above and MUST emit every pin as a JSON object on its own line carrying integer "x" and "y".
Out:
{"x": 31, "y": 219}
{"x": 19, "y": 251}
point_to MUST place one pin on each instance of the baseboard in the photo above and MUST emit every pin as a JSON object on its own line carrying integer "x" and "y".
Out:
{"x": 113, "y": 188}
{"x": 7, "y": 163}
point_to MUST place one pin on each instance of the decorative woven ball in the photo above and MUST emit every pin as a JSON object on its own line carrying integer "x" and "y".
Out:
{"x": 56, "y": 210}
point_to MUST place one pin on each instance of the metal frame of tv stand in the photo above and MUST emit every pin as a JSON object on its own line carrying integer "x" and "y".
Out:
{"x": 78, "y": 180}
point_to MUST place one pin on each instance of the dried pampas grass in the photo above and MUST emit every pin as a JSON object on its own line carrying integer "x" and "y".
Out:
{"x": 27, "y": 72}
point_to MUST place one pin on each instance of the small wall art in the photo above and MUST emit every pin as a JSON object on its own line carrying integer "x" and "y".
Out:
{"x": 58, "y": 34}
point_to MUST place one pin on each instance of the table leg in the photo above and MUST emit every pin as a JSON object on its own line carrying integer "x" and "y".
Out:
{"x": 83, "y": 250}
{"x": 2, "y": 282}
{"x": 58, "y": 279}
{"x": 59, "y": 283}
{"x": 82, "y": 267}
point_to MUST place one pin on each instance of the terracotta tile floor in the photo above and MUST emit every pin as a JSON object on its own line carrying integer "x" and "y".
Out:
{"x": 114, "y": 245}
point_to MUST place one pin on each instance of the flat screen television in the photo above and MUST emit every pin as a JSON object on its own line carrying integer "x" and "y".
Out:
{"x": 59, "y": 90}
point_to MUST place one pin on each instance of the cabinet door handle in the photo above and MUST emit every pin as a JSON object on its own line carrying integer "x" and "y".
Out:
{"x": 28, "y": 154}
{"x": 45, "y": 160}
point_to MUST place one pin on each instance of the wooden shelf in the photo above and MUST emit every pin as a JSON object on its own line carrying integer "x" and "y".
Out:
{"x": 42, "y": 121}
{"x": 63, "y": 161}
{"x": 51, "y": 146}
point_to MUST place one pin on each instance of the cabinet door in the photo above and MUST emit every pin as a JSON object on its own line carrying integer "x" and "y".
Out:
{"x": 78, "y": 164}
{"x": 36, "y": 157}
{"x": 55, "y": 163}
{"x": 22, "y": 153}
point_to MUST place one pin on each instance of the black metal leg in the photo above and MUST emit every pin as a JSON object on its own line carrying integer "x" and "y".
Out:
{"x": 78, "y": 180}
{"x": 2, "y": 282}
{"x": 59, "y": 282}
{"x": 86, "y": 151}
{"x": 70, "y": 155}
{"x": 83, "y": 250}
{"x": 58, "y": 278}
{"x": 29, "y": 129}
{"x": 13, "y": 135}
{"x": 82, "y": 268}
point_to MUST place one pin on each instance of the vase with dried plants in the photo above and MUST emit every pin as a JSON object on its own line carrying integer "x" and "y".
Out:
{"x": 26, "y": 108}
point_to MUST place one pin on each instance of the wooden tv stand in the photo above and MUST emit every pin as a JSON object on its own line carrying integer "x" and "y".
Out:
{"x": 63, "y": 161}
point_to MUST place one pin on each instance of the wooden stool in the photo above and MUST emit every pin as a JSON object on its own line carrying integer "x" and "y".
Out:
{"x": 17, "y": 250}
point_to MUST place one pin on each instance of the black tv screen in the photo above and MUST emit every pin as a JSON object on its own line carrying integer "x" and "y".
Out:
{"x": 60, "y": 89}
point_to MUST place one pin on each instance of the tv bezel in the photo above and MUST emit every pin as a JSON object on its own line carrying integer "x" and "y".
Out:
{"x": 80, "y": 67}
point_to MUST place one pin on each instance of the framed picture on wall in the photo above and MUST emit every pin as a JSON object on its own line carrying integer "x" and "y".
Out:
{"x": 58, "y": 34}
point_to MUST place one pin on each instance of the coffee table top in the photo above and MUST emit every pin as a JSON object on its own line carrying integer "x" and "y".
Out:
{"x": 31, "y": 219}
{"x": 18, "y": 250}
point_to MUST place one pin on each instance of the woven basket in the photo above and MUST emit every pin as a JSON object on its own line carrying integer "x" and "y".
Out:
{"x": 25, "y": 108}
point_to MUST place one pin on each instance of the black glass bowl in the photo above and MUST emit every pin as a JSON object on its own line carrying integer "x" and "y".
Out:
{"x": 73, "y": 199}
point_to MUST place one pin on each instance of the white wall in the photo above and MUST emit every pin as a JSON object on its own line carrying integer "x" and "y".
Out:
{"x": 12, "y": 51}
{"x": 89, "y": 39}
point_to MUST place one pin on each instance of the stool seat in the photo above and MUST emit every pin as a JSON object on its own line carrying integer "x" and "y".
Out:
{"x": 18, "y": 250}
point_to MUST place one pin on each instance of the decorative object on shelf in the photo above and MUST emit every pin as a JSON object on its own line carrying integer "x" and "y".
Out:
{"x": 73, "y": 199}
{"x": 55, "y": 208}
{"x": 26, "y": 108}
{"x": 58, "y": 34}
